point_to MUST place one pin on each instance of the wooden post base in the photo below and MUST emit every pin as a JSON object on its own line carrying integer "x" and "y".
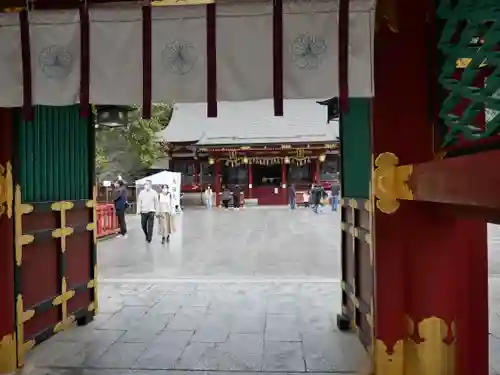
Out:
{"x": 85, "y": 319}
{"x": 343, "y": 323}
{"x": 431, "y": 288}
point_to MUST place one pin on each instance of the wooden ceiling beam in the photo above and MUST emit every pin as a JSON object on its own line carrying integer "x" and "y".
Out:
{"x": 17, "y": 5}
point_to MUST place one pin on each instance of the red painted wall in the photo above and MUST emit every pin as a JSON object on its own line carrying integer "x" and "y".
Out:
{"x": 7, "y": 320}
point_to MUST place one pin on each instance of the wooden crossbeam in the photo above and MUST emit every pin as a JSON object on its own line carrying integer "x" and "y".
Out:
{"x": 467, "y": 182}
{"x": 470, "y": 180}
{"x": 19, "y": 5}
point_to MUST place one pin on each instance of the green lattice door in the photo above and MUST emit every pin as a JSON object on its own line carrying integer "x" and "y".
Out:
{"x": 469, "y": 74}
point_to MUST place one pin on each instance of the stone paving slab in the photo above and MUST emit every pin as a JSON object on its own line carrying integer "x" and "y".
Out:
{"x": 261, "y": 329}
{"x": 263, "y": 243}
{"x": 299, "y": 337}
{"x": 262, "y": 288}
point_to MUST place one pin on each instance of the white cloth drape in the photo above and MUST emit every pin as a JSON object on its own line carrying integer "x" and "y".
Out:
{"x": 361, "y": 30}
{"x": 244, "y": 51}
{"x": 116, "y": 55}
{"x": 310, "y": 50}
{"x": 179, "y": 48}
{"x": 11, "y": 63}
{"x": 55, "y": 56}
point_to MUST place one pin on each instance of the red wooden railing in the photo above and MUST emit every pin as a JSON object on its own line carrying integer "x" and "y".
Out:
{"x": 107, "y": 222}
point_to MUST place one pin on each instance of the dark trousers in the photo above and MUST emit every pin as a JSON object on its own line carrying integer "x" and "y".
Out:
{"x": 147, "y": 222}
{"x": 236, "y": 202}
{"x": 120, "y": 214}
{"x": 225, "y": 203}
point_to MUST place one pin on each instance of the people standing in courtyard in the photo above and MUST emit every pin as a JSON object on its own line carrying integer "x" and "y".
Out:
{"x": 335, "y": 196}
{"x": 147, "y": 204}
{"x": 121, "y": 206}
{"x": 208, "y": 195}
{"x": 307, "y": 198}
{"x": 236, "y": 197}
{"x": 291, "y": 196}
{"x": 165, "y": 214}
{"x": 316, "y": 197}
{"x": 225, "y": 197}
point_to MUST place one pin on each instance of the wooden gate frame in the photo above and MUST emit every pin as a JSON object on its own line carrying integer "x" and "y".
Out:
{"x": 23, "y": 314}
{"x": 356, "y": 239}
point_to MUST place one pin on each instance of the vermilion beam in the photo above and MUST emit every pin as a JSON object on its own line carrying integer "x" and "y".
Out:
{"x": 470, "y": 180}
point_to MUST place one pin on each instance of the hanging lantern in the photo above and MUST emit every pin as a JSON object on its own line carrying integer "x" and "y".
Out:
{"x": 112, "y": 116}
{"x": 322, "y": 158}
{"x": 211, "y": 161}
{"x": 287, "y": 160}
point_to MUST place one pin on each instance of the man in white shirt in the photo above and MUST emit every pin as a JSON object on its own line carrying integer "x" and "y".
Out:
{"x": 147, "y": 204}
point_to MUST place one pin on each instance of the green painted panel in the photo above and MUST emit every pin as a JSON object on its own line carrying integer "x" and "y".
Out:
{"x": 355, "y": 146}
{"x": 468, "y": 72}
{"x": 53, "y": 155}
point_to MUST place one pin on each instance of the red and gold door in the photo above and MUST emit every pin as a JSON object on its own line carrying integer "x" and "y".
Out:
{"x": 7, "y": 312}
{"x": 47, "y": 224}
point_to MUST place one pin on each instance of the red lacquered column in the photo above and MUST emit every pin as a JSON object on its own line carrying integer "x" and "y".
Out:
{"x": 283, "y": 183}
{"x": 217, "y": 182}
{"x": 250, "y": 180}
{"x": 7, "y": 300}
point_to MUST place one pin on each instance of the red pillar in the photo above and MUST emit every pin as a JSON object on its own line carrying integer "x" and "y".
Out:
{"x": 7, "y": 312}
{"x": 283, "y": 182}
{"x": 250, "y": 180}
{"x": 430, "y": 266}
{"x": 316, "y": 171}
{"x": 196, "y": 169}
{"x": 217, "y": 182}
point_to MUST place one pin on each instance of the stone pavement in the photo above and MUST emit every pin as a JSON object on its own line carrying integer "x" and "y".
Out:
{"x": 244, "y": 292}
{"x": 251, "y": 243}
{"x": 249, "y": 327}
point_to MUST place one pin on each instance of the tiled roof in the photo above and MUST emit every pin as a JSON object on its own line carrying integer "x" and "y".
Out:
{"x": 250, "y": 123}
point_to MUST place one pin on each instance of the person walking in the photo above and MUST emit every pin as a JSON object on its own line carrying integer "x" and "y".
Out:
{"x": 316, "y": 197}
{"x": 147, "y": 204}
{"x": 165, "y": 214}
{"x": 121, "y": 204}
{"x": 208, "y": 197}
{"x": 236, "y": 197}
{"x": 335, "y": 196}
{"x": 225, "y": 197}
{"x": 291, "y": 196}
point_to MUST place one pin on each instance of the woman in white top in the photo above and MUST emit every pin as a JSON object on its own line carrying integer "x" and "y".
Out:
{"x": 208, "y": 197}
{"x": 165, "y": 210}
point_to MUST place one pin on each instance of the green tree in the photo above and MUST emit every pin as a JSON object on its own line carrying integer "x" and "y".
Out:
{"x": 127, "y": 151}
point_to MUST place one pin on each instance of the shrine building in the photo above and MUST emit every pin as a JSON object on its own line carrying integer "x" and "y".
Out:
{"x": 247, "y": 145}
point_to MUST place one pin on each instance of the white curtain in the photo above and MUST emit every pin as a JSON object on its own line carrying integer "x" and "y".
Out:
{"x": 116, "y": 55}
{"x": 244, "y": 51}
{"x": 179, "y": 50}
{"x": 11, "y": 71}
{"x": 310, "y": 50}
{"x": 55, "y": 56}
{"x": 361, "y": 31}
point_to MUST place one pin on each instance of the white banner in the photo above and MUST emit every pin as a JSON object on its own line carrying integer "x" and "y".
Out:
{"x": 310, "y": 50}
{"x": 361, "y": 30}
{"x": 55, "y": 56}
{"x": 179, "y": 50}
{"x": 244, "y": 52}
{"x": 116, "y": 55}
{"x": 11, "y": 62}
